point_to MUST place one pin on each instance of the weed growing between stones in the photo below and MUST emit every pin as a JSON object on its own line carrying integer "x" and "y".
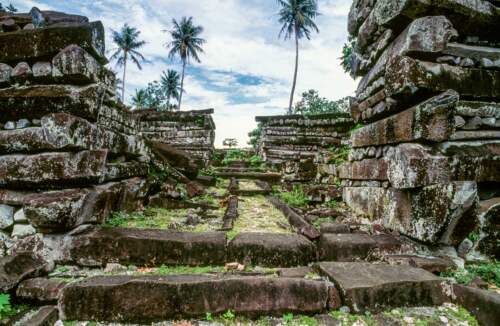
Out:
{"x": 489, "y": 272}
{"x": 339, "y": 155}
{"x": 7, "y": 309}
{"x": 296, "y": 197}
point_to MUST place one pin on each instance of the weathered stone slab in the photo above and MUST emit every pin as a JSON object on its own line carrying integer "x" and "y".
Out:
{"x": 40, "y": 289}
{"x": 271, "y": 249}
{"x": 406, "y": 77}
{"x": 148, "y": 248}
{"x": 441, "y": 213}
{"x": 30, "y": 45}
{"x": 73, "y": 65}
{"x": 369, "y": 169}
{"x": 14, "y": 269}
{"x": 355, "y": 246}
{"x": 423, "y": 37}
{"x": 64, "y": 132}
{"x": 156, "y": 298}
{"x": 37, "y": 101}
{"x": 414, "y": 165}
{"x": 434, "y": 265}
{"x": 486, "y": 17}
{"x": 474, "y": 52}
{"x": 336, "y": 228}
{"x": 49, "y": 18}
{"x": 483, "y": 304}
{"x": 45, "y": 316}
{"x": 476, "y": 134}
{"x": 376, "y": 287}
{"x": 52, "y": 169}
{"x": 268, "y": 176}
{"x": 66, "y": 209}
{"x": 297, "y": 221}
{"x": 431, "y": 120}
{"x": 489, "y": 217}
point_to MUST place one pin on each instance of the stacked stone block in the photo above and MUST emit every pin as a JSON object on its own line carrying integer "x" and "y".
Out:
{"x": 428, "y": 156}
{"x": 190, "y": 131}
{"x": 68, "y": 155}
{"x": 300, "y": 144}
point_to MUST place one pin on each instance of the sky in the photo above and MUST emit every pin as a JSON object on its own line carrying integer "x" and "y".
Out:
{"x": 246, "y": 70}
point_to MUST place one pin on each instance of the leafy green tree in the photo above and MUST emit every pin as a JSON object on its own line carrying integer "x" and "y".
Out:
{"x": 297, "y": 18}
{"x": 128, "y": 43}
{"x": 313, "y": 103}
{"x": 10, "y": 8}
{"x": 255, "y": 136}
{"x": 139, "y": 100}
{"x": 347, "y": 55}
{"x": 230, "y": 142}
{"x": 186, "y": 44}
{"x": 170, "y": 84}
{"x": 155, "y": 96}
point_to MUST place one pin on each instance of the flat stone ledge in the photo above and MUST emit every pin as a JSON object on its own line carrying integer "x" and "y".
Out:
{"x": 271, "y": 249}
{"x": 149, "y": 299}
{"x": 375, "y": 287}
{"x": 483, "y": 304}
{"x": 354, "y": 246}
{"x": 148, "y": 247}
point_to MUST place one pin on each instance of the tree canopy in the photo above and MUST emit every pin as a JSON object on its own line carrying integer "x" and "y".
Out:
{"x": 313, "y": 103}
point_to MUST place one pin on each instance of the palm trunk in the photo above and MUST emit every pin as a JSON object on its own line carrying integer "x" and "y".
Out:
{"x": 182, "y": 82}
{"x": 295, "y": 73}
{"x": 124, "y": 75}
{"x": 168, "y": 102}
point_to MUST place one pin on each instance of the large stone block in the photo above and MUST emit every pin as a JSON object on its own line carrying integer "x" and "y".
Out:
{"x": 66, "y": 209}
{"x": 269, "y": 249}
{"x": 147, "y": 248}
{"x": 376, "y": 287}
{"x": 431, "y": 120}
{"x": 37, "y": 101}
{"x": 52, "y": 169}
{"x": 16, "y": 268}
{"x": 406, "y": 78}
{"x": 74, "y": 65}
{"x": 64, "y": 132}
{"x": 423, "y": 37}
{"x": 29, "y": 45}
{"x": 470, "y": 17}
{"x": 369, "y": 169}
{"x": 489, "y": 217}
{"x": 157, "y": 298}
{"x": 441, "y": 213}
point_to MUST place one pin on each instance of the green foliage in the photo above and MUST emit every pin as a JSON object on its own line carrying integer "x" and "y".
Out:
{"x": 170, "y": 83}
{"x": 331, "y": 203}
{"x": 296, "y": 197}
{"x": 473, "y": 236}
{"x": 489, "y": 272}
{"x": 178, "y": 270}
{"x": 158, "y": 175}
{"x": 228, "y": 315}
{"x": 127, "y": 45}
{"x": 288, "y": 318}
{"x": 208, "y": 317}
{"x": 5, "y": 307}
{"x": 312, "y": 103}
{"x": 10, "y": 8}
{"x": 356, "y": 127}
{"x": 206, "y": 198}
{"x": 256, "y": 161}
{"x": 347, "y": 55}
{"x": 234, "y": 155}
{"x": 230, "y": 235}
{"x": 230, "y": 142}
{"x": 1, "y": 7}
{"x": 297, "y": 18}
{"x": 339, "y": 155}
{"x": 255, "y": 136}
{"x": 207, "y": 172}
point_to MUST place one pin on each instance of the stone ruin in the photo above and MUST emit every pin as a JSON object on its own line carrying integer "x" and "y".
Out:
{"x": 427, "y": 161}
{"x": 299, "y": 145}
{"x": 70, "y": 154}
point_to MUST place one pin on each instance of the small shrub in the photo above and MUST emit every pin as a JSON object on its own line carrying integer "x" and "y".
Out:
{"x": 233, "y": 155}
{"x": 230, "y": 235}
{"x": 488, "y": 272}
{"x": 228, "y": 315}
{"x": 296, "y": 197}
{"x": 5, "y": 307}
{"x": 339, "y": 155}
{"x": 288, "y": 318}
{"x": 208, "y": 317}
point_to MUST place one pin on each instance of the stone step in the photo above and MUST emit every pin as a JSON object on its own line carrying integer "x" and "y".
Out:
{"x": 162, "y": 247}
{"x": 355, "y": 246}
{"x": 156, "y": 298}
{"x": 265, "y": 176}
{"x": 376, "y": 287}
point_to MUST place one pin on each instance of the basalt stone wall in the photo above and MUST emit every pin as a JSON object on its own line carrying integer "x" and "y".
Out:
{"x": 69, "y": 156}
{"x": 190, "y": 131}
{"x": 427, "y": 161}
{"x": 301, "y": 145}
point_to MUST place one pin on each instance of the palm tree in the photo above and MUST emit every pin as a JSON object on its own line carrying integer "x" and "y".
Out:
{"x": 127, "y": 41}
{"x": 297, "y": 17}
{"x": 186, "y": 44}
{"x": 140, "y": 99}
{"x": 10, "y": 8}
{"x": 170, "y": 84}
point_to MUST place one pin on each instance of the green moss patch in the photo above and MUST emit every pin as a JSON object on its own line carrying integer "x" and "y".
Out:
{"x": 257, "y": 214}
